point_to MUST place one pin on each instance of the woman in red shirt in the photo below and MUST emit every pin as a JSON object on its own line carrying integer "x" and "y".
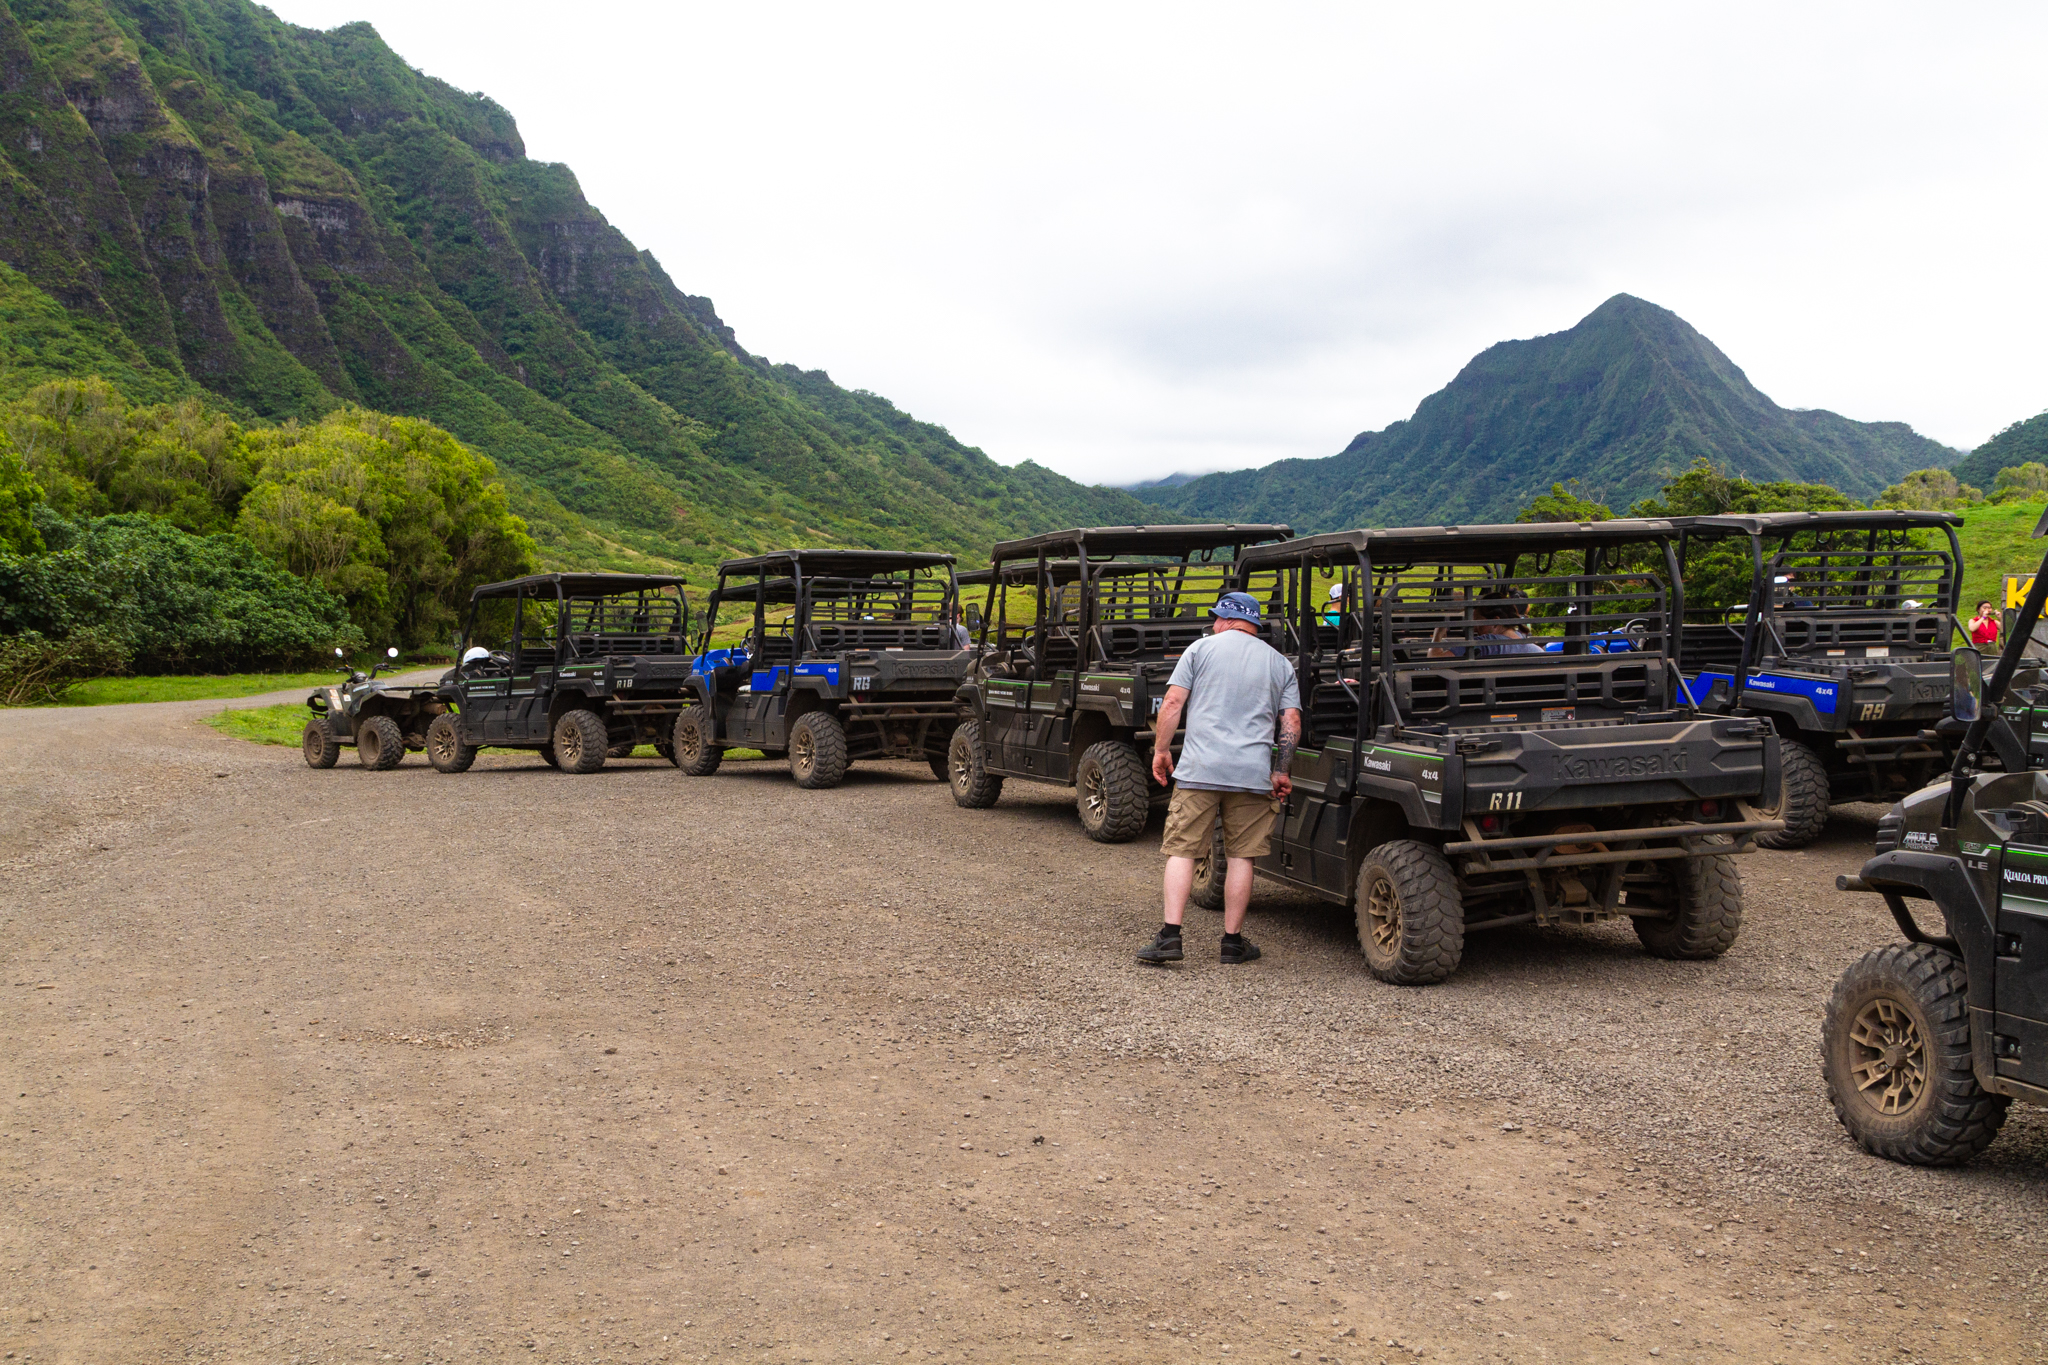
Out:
{"x": 1984, "y": 626}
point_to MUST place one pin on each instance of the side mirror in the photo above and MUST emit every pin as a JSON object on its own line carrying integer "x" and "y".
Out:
{"x": 1966, "y": 693}
{"x": 337, "y": 652}
{"x": 391, "y": 653}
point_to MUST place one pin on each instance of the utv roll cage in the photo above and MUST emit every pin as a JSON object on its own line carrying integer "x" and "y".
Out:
{"x": 1412, "y": 644}
{"x": 1108, "y": 595}
{"x": 1827, "y": 585}
{"x": 841, "y": 600}
{"x": 596, "y": 615}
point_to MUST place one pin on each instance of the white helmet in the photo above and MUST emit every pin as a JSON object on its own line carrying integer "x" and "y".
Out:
{"x": 475, "y": 652}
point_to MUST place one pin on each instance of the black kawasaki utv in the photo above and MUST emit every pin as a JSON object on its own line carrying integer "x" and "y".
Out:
{"x": 1837, "y": 626}
{"x": 851, "y": 654}
{"x": 1080, "y": 632}
{"x": 1925, "y": 1043}
{"x": 575, "y": 666}
{"x": 1495, "y": 734}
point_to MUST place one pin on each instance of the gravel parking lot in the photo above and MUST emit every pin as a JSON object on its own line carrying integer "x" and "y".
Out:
{"x": 351, "y": 1066}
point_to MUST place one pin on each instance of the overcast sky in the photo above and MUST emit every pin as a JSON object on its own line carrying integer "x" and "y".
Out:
{"x": 1127, "y": 240}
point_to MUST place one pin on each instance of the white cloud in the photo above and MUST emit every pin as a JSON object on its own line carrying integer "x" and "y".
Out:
{"x": 1124, "y": 240}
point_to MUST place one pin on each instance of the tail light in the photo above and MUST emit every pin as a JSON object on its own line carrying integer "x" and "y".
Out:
{"x": 1491, "y": 824}
{"x": 1710, "y": 810}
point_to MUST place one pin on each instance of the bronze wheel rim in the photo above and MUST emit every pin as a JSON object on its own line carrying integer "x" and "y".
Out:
{"x": 803, "y": 750}
{"x": 1094, "y": 800}
{"x": 444, "y": 744}
{"x": 686, "y": 744}
{"x": 569, "y": 748}
{"x": 1383, "y": 916}
{"x": 1888, "y": 1056}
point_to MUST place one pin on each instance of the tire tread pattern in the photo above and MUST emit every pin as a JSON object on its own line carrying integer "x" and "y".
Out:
{"x": 1964, "y": 1117}
{"x": 828, "y": 750}
{"x": 1127, "y": 800}
{"x": 582, "y": 733}
{"x": 1709, "y": 913}
{"x": 704, "y": 760}
{"x": 445, "y": 749}
{"x": 380, "y": 744}
{"x": 1804, "y": 803}
{"x": 319, "y": 747}
{"x": 977, "y": 788}
{"x": 1432, "y": 941}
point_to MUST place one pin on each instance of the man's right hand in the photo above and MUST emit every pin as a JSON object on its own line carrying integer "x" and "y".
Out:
{"x": 1162, "y": 764}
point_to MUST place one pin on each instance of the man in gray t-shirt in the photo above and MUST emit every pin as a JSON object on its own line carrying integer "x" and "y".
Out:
{"x": 1236, "y": 691}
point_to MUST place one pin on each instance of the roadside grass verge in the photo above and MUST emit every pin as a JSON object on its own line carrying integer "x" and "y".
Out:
{"x": 284, "y": 723}
{"x": 119, "y": 691}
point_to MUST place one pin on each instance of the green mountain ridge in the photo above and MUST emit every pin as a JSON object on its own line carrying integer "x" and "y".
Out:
{"x": 293, "y": 220}
{"x": 1622, "y": 402}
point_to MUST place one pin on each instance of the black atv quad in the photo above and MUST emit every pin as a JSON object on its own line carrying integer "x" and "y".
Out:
{"x": 1926, "y": 1042}
{"x": 381, "y": 721}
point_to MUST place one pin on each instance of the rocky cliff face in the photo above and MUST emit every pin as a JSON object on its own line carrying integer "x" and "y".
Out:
{"x": 294, "y": 220}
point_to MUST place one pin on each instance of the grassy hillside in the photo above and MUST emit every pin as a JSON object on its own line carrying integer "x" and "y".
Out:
{"x": 294, "y": 221}
{"x": 1995, "y": 543}
{"x": 1622, "y": 402}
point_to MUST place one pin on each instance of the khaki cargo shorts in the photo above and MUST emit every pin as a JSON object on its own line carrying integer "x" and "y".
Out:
{"x": 1247, "y": 823}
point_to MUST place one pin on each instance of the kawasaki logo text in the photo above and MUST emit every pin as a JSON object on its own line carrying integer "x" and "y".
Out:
{"x": 1573, "y": 768}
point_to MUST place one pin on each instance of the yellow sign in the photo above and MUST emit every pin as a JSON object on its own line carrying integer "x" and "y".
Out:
{"x": 2017, "y": 586}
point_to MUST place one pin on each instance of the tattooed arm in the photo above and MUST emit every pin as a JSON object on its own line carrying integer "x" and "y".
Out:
{"x": 1283, "y": 752}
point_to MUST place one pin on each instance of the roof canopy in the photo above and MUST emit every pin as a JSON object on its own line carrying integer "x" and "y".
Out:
{"x": 1098, "y": 541}
{"x": 1783, "y": 523}
{"x": 835, "y": 563}
{"x": 1460, "y": 544}
{"x": 578, "y": 585}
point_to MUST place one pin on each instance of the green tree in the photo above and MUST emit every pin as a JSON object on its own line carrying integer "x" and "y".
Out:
{"x": 2022, "y": 483}
{"x": 1930, "y": 489}
{"x": 1565, "y": 502}
{"x": 1708, "y": 490}
{"x": 19, "y": 494}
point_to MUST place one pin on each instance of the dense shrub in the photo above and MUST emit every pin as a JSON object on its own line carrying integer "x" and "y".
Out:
{"x": 171, "y": 600}
{"x": 391, "y": 514}
{"x": 35, "y": 668}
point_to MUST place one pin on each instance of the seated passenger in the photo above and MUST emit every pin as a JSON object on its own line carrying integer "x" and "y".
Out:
{"x": 1493, "y": 620}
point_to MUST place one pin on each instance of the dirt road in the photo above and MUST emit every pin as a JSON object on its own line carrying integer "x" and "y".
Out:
{"x": 342, "y": 1066}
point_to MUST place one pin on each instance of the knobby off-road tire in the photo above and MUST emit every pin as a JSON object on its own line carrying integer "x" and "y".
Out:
{"x": 580, "y": 742}
{"x": 1209, "y": 873}
{"x": 380, "y": 744}
{"x": 1895, "y": 1048}
{"x": 547, "y": 756}
{"x": 620, "y": 751}
{"x": 1708, "y": 896}
{"x": 318, "y": 746}
{"x": 690, "y": 746}
{"x": 445, "y": 749}
{"x": 1411, "y": 917}
{"x": 1110, "y": 792}
{"x": 1802, "y": 798}
{"x": 974, "y": 786}
{"x": 817, "y": 750}
{"x": 941, "y": 769}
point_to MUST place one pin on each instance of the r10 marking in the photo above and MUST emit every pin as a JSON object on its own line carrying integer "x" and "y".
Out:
{"x": 1505, "y": 801}
{"x": 1872, "y": 710}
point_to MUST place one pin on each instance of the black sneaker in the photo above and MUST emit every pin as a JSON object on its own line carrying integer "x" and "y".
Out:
{"x": 1240, "y": 952}
{"x": 1162, "y": 949}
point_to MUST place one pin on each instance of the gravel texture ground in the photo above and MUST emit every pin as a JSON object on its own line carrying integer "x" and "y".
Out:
{"x": 339, "y": 1066}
